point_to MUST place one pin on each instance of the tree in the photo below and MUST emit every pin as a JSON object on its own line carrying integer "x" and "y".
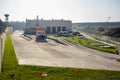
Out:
{"x": 113, "y": 32}
{"x": 100, "y": 29}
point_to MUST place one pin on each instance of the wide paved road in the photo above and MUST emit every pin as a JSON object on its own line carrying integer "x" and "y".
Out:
{"x": 54, "y": 54}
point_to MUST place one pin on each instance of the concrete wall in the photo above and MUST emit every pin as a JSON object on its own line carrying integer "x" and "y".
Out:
{"x": 2, "y": 43}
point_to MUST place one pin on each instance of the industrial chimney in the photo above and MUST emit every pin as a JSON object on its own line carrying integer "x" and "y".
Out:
{"x": 37, "y": 21}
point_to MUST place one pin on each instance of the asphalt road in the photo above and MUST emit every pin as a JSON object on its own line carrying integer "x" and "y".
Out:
{"x": 55, "y": 54}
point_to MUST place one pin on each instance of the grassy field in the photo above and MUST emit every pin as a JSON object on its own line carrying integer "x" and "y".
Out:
{"x": 88, "y": 43}
{"x": 118, "y": 59}
{"x": 12, "y": 71}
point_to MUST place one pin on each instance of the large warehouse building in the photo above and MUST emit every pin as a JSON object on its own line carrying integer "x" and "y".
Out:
{"x": 52, "y": 26}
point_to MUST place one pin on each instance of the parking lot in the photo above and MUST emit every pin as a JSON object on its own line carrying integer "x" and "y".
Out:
{"x": 51, "y": 53}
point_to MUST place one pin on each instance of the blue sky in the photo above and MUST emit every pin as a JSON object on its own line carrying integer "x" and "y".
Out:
{"x": 75, "y": 10}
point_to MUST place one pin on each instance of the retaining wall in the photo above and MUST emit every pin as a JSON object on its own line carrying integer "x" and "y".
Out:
{"x": 2, "y": 43}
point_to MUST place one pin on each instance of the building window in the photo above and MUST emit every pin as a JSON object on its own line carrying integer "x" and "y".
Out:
{"x": 63, "y": 28}
{"x": 53, "y": 29}
{"x": 48, "y": 30}
{"x": 59, "y": 28}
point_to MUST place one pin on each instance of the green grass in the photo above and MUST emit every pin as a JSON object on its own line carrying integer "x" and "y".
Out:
{"x": 118, "y": 59}
{"x": 87, "y": 42}
{"x": 12, "y": 71}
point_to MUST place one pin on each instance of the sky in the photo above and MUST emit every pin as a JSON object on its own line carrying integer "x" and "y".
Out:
{"x": 75, "y": 10}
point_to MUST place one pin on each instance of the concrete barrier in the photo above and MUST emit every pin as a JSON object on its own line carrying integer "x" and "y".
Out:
{"x": 2, "y": 43}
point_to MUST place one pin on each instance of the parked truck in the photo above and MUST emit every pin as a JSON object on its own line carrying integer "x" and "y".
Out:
{"x": 40, "y": 34}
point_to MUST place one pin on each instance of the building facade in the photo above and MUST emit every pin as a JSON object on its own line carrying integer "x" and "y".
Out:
{"x": 51, "y": 26}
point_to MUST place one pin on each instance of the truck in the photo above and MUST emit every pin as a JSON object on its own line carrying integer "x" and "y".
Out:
{"x": 40, "y": 34}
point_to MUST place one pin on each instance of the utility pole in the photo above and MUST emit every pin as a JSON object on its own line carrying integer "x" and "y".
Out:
{"x": 108, "y": 19}
{"x": 107, "y": 25}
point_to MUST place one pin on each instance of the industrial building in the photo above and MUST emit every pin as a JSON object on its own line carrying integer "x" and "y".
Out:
{"x": 51, "y": 26}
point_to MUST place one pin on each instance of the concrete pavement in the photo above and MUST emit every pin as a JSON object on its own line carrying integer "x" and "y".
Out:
{"x": 55, "y": 54}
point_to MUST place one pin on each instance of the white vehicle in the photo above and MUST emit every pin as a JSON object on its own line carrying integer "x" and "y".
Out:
{"x": 80, "y": 36}
{"x": 40, "y": 34}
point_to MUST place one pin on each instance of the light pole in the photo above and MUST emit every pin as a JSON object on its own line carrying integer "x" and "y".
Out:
{"x": 107, "y": 25}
